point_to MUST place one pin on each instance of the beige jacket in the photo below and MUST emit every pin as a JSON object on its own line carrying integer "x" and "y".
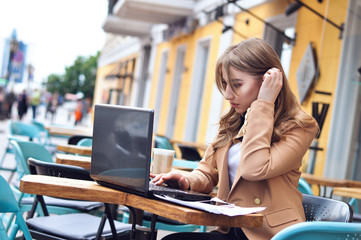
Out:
{"x": 267, "y": 175}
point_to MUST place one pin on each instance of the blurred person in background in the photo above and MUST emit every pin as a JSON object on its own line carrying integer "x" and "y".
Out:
{"x": 2, "y": 99}
{"x": 78, "y": 113}
{"x": 35, "y": 101}
{"x": 23, "y": 104}
{"x": 86, "y": 109}
{"x": 9, "y": 101}
{"x": 52, "y": 106}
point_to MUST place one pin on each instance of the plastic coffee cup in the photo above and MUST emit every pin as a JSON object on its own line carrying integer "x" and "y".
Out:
{"x": 162, "y": 160}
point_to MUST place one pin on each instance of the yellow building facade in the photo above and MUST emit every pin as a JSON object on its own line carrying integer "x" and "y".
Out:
{"x": 184, "y": 97}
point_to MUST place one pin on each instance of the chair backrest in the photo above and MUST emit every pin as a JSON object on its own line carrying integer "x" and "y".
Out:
{"x": 304, "y": 187}
{"x": 17, "y": 128}
{"x": 85, "y": 142}
{"x": 320, "y": 231}
{"x": 326, "y": 209}
{"x": 73, "y": 140}
{"x": 58, "y": 170}
{"x": 162, "y": 142}
{"x": 42, "y": 129}
{"x": 39, "y": 125}
{"x": 23, "y": 150}
{"x": 8, "y": 204}
{"x": 189, "y": 152}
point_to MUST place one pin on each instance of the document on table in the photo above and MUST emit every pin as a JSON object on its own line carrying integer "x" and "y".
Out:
{"x": 215, "y": 205}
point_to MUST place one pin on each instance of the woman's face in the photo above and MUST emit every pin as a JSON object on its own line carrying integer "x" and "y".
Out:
{"x": 246, "y": 88}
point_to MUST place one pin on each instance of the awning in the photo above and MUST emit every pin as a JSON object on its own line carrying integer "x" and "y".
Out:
{"x": 116, "y": 25}
{"x": 155, "y": 11}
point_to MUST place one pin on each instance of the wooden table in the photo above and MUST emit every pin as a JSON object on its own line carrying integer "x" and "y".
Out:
{"x": 91, "y": 191}
{"x": 351, "y": 192}
{"x": 69, "y": 131}
{"x": 81, "y": 150}
{"x": 85, "y": 161}
{"x": 329, "y": 182}
{"x": 75, "y": 160}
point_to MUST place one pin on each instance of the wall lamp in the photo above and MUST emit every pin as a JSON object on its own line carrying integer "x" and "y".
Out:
{"x": 218, "y": 14}
{"x": 293, "y": 7}
{"x": 288, "y": 39}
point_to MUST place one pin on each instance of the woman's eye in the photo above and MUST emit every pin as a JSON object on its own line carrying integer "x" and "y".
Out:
{"x": 236, "y": 85}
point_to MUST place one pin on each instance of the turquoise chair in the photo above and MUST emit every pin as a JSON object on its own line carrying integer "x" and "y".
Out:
{"x": 180, "y": 163}
{"x": 8, "y": 150}
{"x": 8, "y": 204}
{"x": 85, "y": 142}
{"x": 3, "y": 234}
{"x": 320, "y": 231}
{"x": 43, "y": 130}
{"x": 24, "y": 150}
{"x": 162, "y": 142}
{"x": 304, "y": 187}
{"x": 75, "y": 225}
{"x": 19, "y": 131}
{"x": 18, "y": 128}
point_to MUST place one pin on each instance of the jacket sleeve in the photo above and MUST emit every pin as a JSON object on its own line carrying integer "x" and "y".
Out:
{"x": 205, "y": 177}
{"x": 261, "y": 159}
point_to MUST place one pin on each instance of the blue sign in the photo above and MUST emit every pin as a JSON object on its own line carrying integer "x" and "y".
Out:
{"x": 18, "y": 63}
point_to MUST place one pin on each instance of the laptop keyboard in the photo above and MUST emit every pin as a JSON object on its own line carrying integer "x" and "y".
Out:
{"x": 153, "y": 187}
{"x": 177, "y": 193}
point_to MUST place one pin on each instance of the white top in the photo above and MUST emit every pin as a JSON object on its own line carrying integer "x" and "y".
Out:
{"x": 234, "y": 155}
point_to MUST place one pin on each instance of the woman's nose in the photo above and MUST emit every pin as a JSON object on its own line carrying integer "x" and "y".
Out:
{"x": 228, "y": 95}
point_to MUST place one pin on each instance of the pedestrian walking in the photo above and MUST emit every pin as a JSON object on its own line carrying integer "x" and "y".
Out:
{"x": 23, "y": 104}
{"x": 9, "y": 101}
{"x": 2, "y": 99}
{"x": 35, "y": 101}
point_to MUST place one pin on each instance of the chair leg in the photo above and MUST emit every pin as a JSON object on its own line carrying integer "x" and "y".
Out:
{"x": 12, "y": 170}
{"x": 107, "y": 215}
{"x": 153, "y": 232}
{"x": 4, "y": 155}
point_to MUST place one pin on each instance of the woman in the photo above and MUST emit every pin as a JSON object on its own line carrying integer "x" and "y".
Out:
{"x": 256, "y": 156}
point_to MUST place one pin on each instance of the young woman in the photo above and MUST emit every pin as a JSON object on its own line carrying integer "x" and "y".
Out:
{"x": 256, "y": 156}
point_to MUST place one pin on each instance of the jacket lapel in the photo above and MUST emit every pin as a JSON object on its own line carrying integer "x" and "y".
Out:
{"x": 239, "y": 172}
{"x": 222, "y": 157}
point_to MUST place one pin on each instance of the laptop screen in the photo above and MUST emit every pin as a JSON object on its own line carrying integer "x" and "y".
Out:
{"x": 122, "y": 144}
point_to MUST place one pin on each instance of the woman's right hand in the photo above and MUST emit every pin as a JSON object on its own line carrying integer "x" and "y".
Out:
{"x": 271, "y": 85}
{"x": 172, "y": 179}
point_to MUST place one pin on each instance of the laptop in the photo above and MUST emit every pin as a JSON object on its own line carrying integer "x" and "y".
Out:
{"x": 121, "y": 152}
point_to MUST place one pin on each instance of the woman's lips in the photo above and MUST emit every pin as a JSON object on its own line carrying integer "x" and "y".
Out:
{"x": 234, "y": 105}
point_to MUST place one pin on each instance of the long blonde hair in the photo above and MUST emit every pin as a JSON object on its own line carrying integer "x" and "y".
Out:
{"x": 255, "y": 57}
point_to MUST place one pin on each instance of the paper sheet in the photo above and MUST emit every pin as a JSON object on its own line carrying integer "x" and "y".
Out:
{"x": 209, "y": 206}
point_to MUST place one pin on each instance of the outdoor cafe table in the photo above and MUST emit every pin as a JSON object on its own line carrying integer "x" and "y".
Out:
{"x": 75, "y": 160}
{"x": 351, "y": 192}
{"x": 69, "y": 130}
{"x": 329, "y": 182}
{"x": 85, "y": 161}
{"x": 91, "y": 191}
{"x": 69, "y": 148}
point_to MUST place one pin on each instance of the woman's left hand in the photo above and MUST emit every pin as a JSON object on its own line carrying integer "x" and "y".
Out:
{"x": 271, "y": 85}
